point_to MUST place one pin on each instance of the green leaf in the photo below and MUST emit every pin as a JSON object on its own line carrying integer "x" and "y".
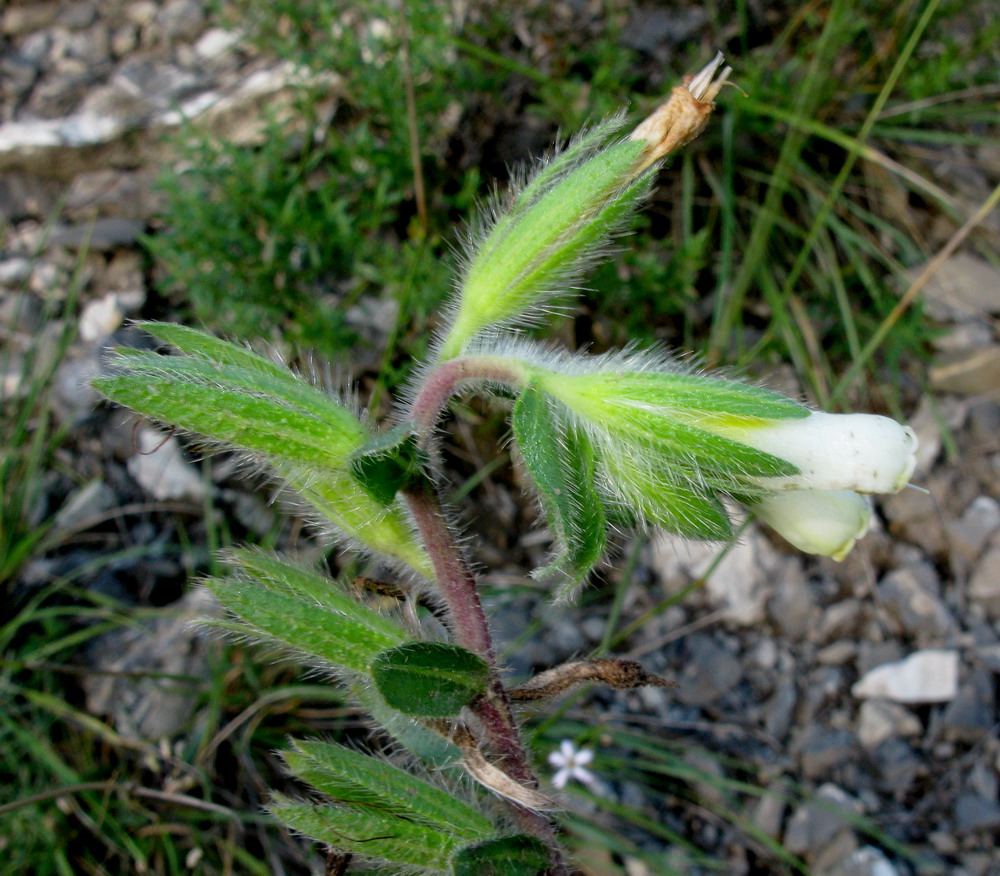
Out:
{"x": 311, "y": 587}
{"x": 517, "y": 855}
{"x": 238, "y": 398}
{"x": 554, "y": 226}
{"x": 691, "y": 396}
{"x": 213, "y": 349}
{"x": 353, "y": 777}
{"x": 260, "y": 424}
{"x": 429, "y": 679}
{"x": 367, "y": 831}
{"x": 388, "y": 463}
{"x": 311, "y": 629}
{"x": 267, "y": 381}
{"x": 560, "y": 461}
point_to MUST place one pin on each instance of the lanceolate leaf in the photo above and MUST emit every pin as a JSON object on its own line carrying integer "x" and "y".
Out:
{"x": 304, "y": 627}
{"x": 367, "y": 831}
{"x": 234, "y": 414}
{"x": 429, "y": 679}
{"x": 353, "y": 777}
{"x": 311, "y": 587}
{"x": 240, "y": 399}
{"x": 560, "y": 461}
{"x": 690, "y": 397}
{"x": 517, "y": 855}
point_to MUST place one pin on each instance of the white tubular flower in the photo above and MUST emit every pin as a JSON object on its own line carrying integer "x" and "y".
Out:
{"x": 864, "y": 453}
{"x": 815, "y": 521}
{"x": 570, "y": 763}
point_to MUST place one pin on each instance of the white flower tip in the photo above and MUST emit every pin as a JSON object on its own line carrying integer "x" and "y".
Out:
{"x": 705, "y": 85}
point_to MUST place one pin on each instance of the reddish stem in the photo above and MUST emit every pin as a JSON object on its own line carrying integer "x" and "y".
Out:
{"x": 458, "y": 587}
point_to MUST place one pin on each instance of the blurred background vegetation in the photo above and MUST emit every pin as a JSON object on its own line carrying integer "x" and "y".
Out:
{"x": 787, "y": 233}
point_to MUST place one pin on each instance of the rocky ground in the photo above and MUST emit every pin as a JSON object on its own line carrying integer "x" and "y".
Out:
{"x": 871, "y": 684}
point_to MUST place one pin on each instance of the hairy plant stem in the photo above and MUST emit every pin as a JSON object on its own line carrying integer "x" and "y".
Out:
{"x": 458, "y": 587}
{"x": 446, "y": 379}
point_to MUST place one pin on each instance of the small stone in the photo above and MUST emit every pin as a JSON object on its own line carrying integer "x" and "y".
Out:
{"x": 100, "y": 318}
{"x": 971, "y": 715}
{"x": 123, "y": 194}
{"x": 984, "y": 586}
{"x": 215, "y": 43}
{"x": 709, "y": 671}
{"x": 180, "y": 20}
{"x": 77, "y": 15}
{"x": 814, "y": 824}
{"x": 161, "y": 469}
{"x": 963, "y": 288}
{"x": 739, "y": 583}
{"x": 974, "y": 813}
{"x": 968, "y": 372}
{"x": 136, "y": 663}
{"x": 879, "y": 720}
{"x": 928, "y": 676}
{"x": 124, "y": 39}
{"x": 839, "y": 620}
{"x": 14, "y": 271}
{"x": 20, "y": 312}
{"x": 97, "y": 236}
{"x": 141, "y": 12}
{"x": 825, "y": 751}
{"x": 83, "y": 505}
{"x": 838, "y": 653}
{"x": 916, "y": 516}
{"x": 28, "y": 17}
{"x": 768, "y": 814}
{"x": 968, "y": 535}
{"x": 780, "y": 709}
{"x": 910, "y": 596}
{"x": 866, "y": 861}
{"x": 791, "y": 606}
{"x": 899, "y": 767}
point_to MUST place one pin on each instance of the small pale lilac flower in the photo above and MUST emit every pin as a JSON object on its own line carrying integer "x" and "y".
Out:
{"x": 570, "y": 763}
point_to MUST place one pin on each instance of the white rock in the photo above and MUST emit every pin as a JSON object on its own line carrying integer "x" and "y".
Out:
{"x": 929, "y": 676}
{"x": 964, "y": 287}
{"x": 879, "y": 720}
{"x": 214, "y": 43}
{"x": 866, "y": 861}
{"x": 161, "y": 468}
{"x": 100, "y": 318}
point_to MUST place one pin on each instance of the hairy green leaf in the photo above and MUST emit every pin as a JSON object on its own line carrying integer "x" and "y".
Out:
{"x": 690, "y": 397}
{"x": 429, "y": 679}
{"x": 311, "y": 629}
{"x": 552, "y": 228}
{"x": 517, "y": 855}
{"x": 561, "y": 463}
{"x": 367, "y": 831}
{"x": 353, "y": 777}
{"x": 236, "y": 417}
{"x": 311, "y": 587}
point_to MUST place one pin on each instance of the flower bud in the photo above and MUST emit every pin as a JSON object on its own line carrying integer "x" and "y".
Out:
{"x": 815, "y": 521}
{"x": 551, "y": 228}
{"x": 864, "y": 453}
